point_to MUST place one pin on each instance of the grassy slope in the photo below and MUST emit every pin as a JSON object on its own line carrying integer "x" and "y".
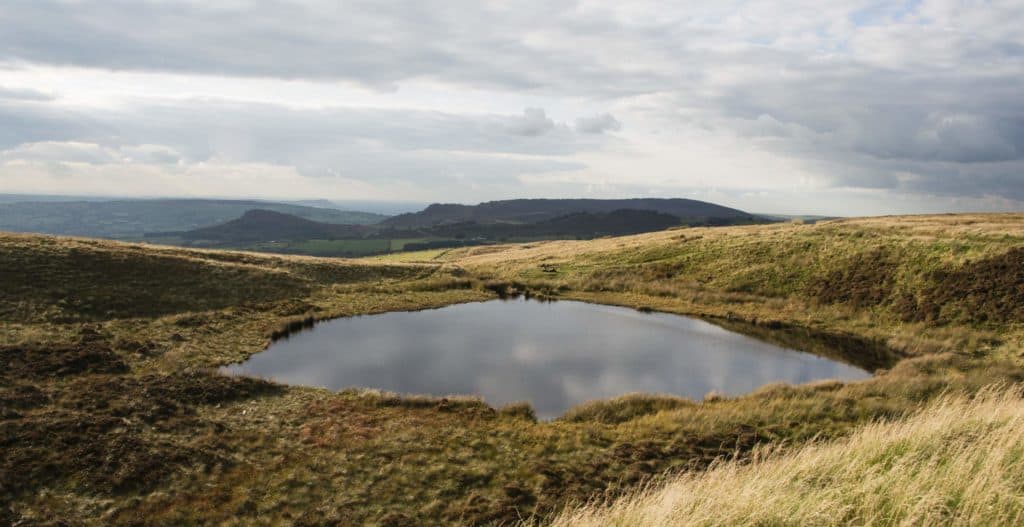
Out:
{"x": 957, "y": 462}
{"x": 922, "y": 284}
{"x": 112, "y": 415}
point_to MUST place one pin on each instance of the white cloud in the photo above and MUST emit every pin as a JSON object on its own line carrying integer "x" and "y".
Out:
{"x": 62, "y": 152}
{"x": 780, "y": 97}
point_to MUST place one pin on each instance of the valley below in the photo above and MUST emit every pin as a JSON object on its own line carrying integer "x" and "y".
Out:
{"x": 115, "y": 410}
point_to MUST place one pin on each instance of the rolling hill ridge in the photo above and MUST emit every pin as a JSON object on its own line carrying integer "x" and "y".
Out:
{"x": 442, "y": 226}
{"x": 259, "y": 225}
{"x": 538, "y": 210}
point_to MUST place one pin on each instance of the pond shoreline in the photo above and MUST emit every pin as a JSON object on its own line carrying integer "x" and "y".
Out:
{"x": 558, "y": 356}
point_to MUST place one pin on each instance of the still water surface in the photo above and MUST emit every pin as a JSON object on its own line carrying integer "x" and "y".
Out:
{"x": 554, "y": 355}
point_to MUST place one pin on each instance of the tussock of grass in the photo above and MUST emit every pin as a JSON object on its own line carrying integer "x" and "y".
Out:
{"x": 519, "y": 410}
{"x": 625, "y": 407}
{"x": 957, "y": 462}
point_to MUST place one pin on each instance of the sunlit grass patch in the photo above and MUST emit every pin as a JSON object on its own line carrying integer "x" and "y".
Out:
{"x": 956, "y": 462}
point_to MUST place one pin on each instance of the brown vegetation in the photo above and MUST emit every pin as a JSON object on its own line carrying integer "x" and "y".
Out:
{"x": 113, "y": 412}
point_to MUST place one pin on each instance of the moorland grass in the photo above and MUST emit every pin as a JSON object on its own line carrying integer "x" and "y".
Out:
{"x": 919, "y": 284}
{"x": 113, "y": 412}
{"x": 958, "y": 461}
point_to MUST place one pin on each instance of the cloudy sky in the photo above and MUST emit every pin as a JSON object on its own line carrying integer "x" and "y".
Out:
{"x": 841, "y": 107}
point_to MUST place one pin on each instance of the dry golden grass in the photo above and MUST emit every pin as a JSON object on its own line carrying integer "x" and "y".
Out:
{"x": 957, "y": 462}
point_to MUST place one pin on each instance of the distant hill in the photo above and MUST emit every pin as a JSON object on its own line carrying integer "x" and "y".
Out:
{"x": 266, "y": 230}
{"x": 131, "y": 219}
{"x": 440, "y": 226}
{"x": 614, "y": 223}
{"x": 574, "y": 225}
{"x": 539, "y": 210}
{"x": 387, "y": 208}
{"x": 261, "y": 225}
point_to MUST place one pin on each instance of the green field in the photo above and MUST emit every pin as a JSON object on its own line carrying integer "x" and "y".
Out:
{"x": 342, "y": 248}
{"x": 346, "y": 248}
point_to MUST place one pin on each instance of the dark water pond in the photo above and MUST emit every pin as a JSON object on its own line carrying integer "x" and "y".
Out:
{"x": 554, "y": 355}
